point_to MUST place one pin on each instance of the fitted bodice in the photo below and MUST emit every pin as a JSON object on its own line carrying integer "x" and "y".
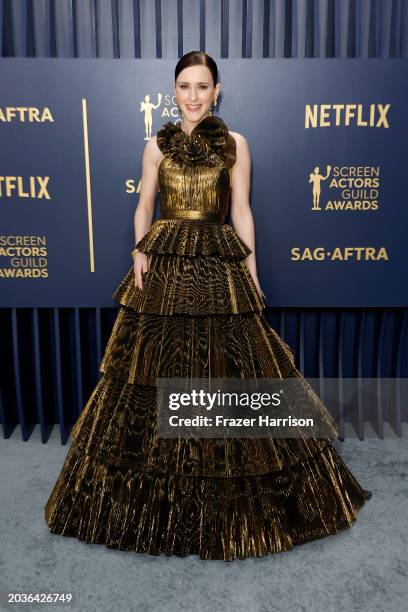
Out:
{"x": 194, "y": 175}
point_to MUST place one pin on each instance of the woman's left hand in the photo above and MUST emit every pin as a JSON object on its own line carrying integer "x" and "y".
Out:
{"x": 257, "y": 285}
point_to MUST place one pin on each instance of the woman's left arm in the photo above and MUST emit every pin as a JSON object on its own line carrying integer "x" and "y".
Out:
{"x": 241, "y": 214}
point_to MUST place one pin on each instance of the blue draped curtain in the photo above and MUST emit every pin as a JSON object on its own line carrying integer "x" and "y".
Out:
{"x": 222, "y": 28}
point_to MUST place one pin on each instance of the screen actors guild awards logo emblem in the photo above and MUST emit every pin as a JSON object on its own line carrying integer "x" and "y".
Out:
{"x": 146, "y": 107}
{"x": 316, "y": 178}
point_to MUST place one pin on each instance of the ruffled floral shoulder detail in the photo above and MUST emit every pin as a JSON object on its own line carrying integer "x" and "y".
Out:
{"x": 209, "y": 143}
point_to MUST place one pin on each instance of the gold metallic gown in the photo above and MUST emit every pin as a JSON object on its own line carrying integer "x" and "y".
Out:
{"x": 198, "y": 315}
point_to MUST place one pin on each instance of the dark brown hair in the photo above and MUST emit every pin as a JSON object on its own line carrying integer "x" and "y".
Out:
{"x": 194, "y": 58}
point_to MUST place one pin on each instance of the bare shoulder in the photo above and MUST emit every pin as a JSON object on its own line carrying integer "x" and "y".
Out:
{"x": 239, "y": 138}
{"x": 241, "y": 142}
{"x": 152, "y": 152}
{"x": 151, "y": 144}
{"x": 243, "y": 152}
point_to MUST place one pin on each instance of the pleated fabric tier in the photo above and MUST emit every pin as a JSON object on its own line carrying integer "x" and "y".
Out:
{"x": 199, "y": 315}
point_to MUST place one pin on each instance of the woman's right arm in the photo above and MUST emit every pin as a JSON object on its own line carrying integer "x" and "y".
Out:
{"x": 145, "y": 208}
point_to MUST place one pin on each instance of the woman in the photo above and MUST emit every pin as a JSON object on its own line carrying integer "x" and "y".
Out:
{"x": 191, "y": 306}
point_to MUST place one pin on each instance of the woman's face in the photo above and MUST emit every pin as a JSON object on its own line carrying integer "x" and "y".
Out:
{"x": 195, "y": 92}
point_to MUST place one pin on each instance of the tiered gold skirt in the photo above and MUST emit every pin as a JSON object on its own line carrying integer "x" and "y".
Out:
{"x": 199, "y": 315}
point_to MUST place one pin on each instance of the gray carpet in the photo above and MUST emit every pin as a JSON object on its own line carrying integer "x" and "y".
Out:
{"x": 363, "y": 568}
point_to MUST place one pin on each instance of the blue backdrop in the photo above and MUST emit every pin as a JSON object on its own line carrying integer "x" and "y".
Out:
{"x": 328, "y": 183}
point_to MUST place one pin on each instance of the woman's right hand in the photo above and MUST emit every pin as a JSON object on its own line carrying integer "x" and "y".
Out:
{"x": 140, "y": 266}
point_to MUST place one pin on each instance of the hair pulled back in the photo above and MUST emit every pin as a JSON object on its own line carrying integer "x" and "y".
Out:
{"x": 197, "y": 58}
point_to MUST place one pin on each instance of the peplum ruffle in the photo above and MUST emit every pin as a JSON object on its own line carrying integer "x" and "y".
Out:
{"x": 191, "y": 237}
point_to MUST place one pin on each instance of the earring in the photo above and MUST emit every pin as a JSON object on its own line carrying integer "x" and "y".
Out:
{"x": 209, "y": 112}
